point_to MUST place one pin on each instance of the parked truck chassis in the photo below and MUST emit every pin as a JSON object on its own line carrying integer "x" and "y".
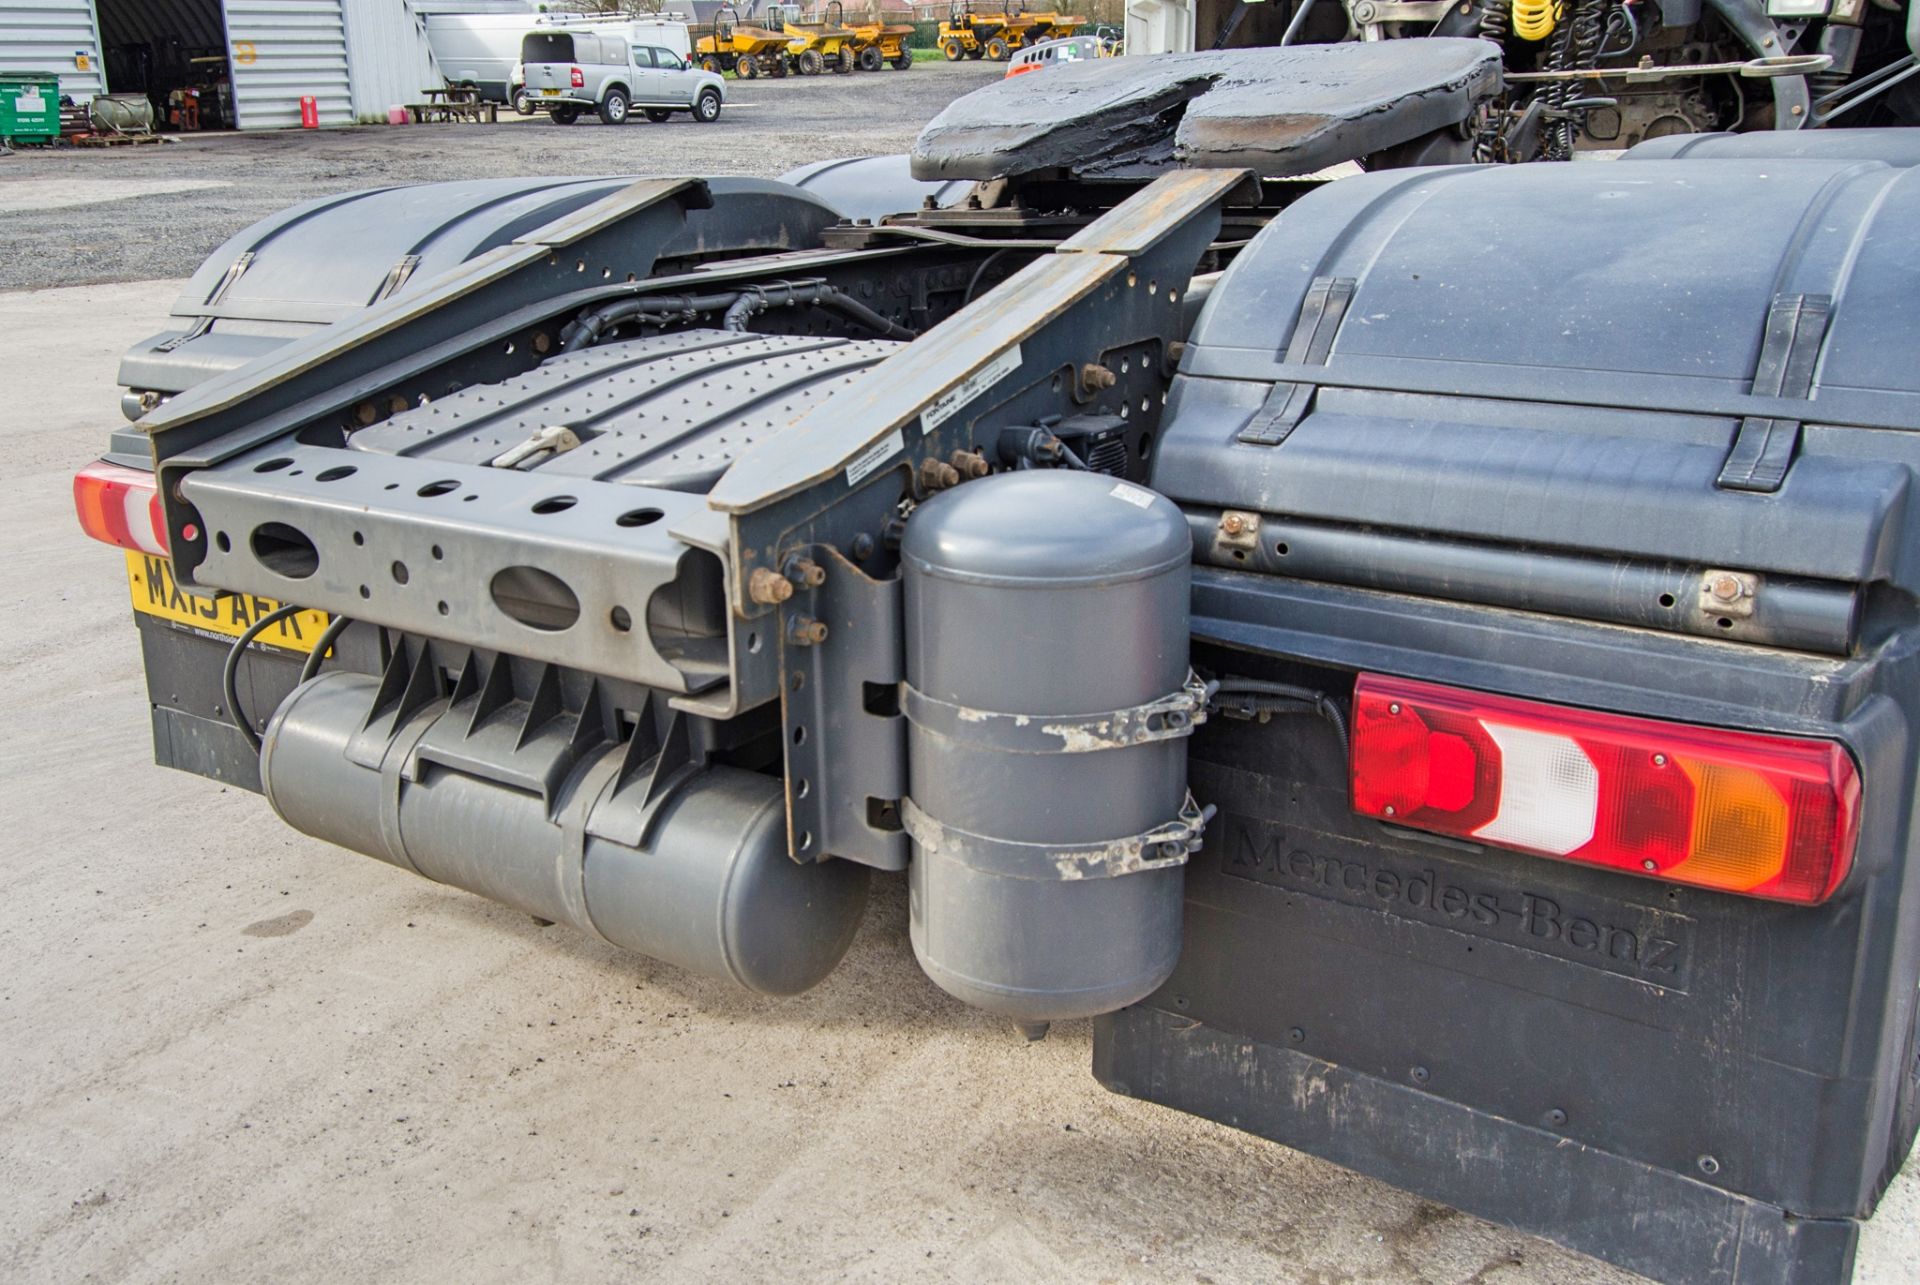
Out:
{"x": 696, "y": 550}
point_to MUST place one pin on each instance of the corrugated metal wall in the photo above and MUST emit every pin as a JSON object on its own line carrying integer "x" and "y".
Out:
{"x": 46, "y": 35}
{"x": 283, "y": 49}
{"x": 388, "y": 53}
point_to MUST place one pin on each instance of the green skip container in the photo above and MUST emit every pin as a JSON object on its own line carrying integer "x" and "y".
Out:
{"x": 29, "y": 106}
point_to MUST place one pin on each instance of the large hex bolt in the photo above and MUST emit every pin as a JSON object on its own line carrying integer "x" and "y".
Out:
{"x": 769, "y": 588}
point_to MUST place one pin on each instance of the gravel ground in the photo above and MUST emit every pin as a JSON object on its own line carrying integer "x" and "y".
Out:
{"x": 767, "y": 128}
{"x": 228, "y": 1051}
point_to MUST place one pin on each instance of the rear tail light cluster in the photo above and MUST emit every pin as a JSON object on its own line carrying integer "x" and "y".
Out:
{"x": 120, "y": 505}
{"x": 1767, "y": 816}
{"x": 577, "y": 78}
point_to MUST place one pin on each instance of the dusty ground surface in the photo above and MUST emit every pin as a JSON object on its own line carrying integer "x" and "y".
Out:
{"x": 767, "y": 127}
{"x": 227, "y": 1051}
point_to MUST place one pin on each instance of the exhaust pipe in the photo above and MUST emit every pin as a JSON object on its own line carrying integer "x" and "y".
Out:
{"x": 688, "y": 865}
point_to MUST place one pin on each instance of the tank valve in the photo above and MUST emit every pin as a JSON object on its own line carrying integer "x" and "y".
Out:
{"x": 970, "y": 465}
{"x": 937, "y": 475}
{"x": 769, "y": 588}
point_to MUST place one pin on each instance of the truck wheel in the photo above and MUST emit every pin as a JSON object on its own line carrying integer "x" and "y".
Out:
{"x": 997, "y": 50}
{"x": 903, "y": 60}
{"x": 613, "y": 108}
{"x": 563, "y": 115}
{"x": 777, "y": 66}
{"x": 974, "y": 53}
{"x": 747, "y": 68}
{"x": 810, "y": 63}
{"x": 844, "y": 63}
{"x": 659, "y": 115}
{"x": 870, "y": 59}
{"x": 706, "y": 108}
{"x": 712, "y": 64}
{"x": 522, "y": 102}
{"x": 951, "y": 50}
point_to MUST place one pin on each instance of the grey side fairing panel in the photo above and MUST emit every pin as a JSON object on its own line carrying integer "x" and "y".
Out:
{"x": 1893, "y": 145}
{"x": 1501, "y": 391}
{"x": 325, "y": 260}
{"x": 872, "y": 187}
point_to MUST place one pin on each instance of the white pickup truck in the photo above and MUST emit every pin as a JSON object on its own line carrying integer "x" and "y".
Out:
{"x": 572, "y": 72}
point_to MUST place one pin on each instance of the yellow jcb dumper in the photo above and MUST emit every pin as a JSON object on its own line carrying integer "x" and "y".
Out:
{"x": 820, "y": 42}
{"x": 743, "y": 49}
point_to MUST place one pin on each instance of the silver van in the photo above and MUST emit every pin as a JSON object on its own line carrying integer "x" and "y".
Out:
{"x": 571, "y": 72}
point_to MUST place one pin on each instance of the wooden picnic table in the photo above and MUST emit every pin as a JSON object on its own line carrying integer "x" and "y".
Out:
{"x": 454, "y": 102}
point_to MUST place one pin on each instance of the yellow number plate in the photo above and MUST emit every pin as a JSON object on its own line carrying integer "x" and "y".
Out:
{"x": 550, "y": 93}
{"x": 150, "y": 581}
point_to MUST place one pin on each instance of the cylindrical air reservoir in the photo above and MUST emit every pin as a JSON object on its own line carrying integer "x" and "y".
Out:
{"x": 704, "y": 882}
{"x": 1048, "y": 694}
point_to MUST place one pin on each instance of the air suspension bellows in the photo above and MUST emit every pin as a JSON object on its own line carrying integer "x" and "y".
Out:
{"x": 684, "y": 862}
{"x": 1047, "y": 696}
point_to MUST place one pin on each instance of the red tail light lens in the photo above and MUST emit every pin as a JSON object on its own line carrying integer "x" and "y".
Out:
{"x": 119, "y": 505}
{"x": 577, "y": 78}
{"x": 1765, "y": 816}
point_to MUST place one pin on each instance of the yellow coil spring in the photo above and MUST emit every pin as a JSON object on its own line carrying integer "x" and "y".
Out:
{"x": 1535, "y": 19}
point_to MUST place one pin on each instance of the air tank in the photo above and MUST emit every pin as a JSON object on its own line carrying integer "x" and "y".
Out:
{"x": 1047, "y": 695}
{"x": 692, "y": 871}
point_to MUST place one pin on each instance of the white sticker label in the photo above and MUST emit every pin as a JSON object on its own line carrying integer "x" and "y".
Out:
{"x": 874, "y": 456}
{"x": 1138, "y": 498}
{"x": 30, "y": 102}
{"x": 942, "y": 408}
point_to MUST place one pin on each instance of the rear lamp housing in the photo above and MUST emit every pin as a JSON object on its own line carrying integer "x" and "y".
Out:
{"x": 1743, "y": 812}
{"x": 121, "y": 506}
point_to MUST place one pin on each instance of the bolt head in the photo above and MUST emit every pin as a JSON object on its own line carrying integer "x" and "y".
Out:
{"x": 1725, "y": 589}
{"x": 1394, "y": 708}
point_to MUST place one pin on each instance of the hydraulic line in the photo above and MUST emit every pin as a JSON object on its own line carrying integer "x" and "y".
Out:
{"x": 738, "y": 305}
{"x": 230, "y": 672}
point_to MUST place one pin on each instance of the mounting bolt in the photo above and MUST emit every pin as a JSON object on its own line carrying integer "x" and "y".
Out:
{"x": 769, "y": 588}
{"x": 862, "y": 547}
{"x": 1726, "y": 589}
{"x": 1556, "y": 1117}
{"x": 1094, "y": 377}
{"x": 1296, "y": 1034}
{"x": 1421, "y": 1075}
{"x": 806, "y": 573}
{"x": 805, "y": 631}
{"x": 1233, "y": 523}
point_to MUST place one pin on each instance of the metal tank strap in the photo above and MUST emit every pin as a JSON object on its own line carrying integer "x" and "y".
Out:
{"x": 1156, "y": 849}
{"x": 1168, "y": 718}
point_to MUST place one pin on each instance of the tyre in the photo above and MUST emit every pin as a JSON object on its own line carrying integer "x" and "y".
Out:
{"x": 777, "y": 66}
{"x": 613, "y": 108}
{"x": 712, "y": 64}
{"x": 974, "y": 53}
{"x": 659, "y": 115}
{"x": 844, "y": 63}
{"x": 870, "y": 59}
{"x": 706, "y": 108}
{"x": 563, "y": 115}
{"x": 951, "y": 50}
{"x": 810, "y": 63}
{"x": 747, "y": 68}
{"x": 903, "y": 60}
{"x": 997, "y": 50}
{"x": 522, "y": 101}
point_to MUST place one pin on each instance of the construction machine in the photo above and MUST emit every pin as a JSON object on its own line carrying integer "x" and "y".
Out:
{"x": 821, "y": 43}
{"x": 746, "y": 49}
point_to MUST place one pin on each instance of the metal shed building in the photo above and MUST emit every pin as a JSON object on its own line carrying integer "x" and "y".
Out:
{"x": 353, "y": 57}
